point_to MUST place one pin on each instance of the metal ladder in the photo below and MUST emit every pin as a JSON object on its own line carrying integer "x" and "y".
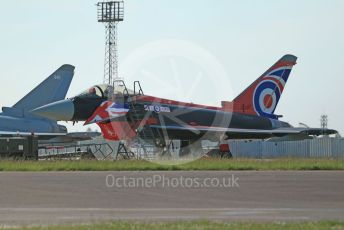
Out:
{"x": 136, "y": 114}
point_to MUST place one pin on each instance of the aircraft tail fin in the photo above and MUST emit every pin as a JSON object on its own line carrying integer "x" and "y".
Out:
{"x": 52, "y": 89}
{"x": 262, "y": 96}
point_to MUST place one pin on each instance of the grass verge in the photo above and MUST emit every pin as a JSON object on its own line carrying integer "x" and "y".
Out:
{"x": 201, "y": 164}
{"x": 199, "y": 225}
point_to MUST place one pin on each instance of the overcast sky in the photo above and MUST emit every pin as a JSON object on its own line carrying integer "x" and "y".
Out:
{"x": 195, "y": 50}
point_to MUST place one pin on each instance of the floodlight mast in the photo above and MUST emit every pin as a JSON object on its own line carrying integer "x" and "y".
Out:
{"x": 111, "y": 13}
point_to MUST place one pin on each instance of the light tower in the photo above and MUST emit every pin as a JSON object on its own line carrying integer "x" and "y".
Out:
{"x": 324, "y": 122}
{"x": 111, "y": 13}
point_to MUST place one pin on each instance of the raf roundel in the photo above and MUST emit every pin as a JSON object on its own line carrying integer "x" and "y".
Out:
{"x": 157, "y": 109}
{"x": 269, "y": 90}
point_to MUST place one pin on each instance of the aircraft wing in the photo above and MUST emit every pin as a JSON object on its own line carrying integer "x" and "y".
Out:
{"x": 249, "y": 133}
{"x": 25, "y": 134}
{"x": 73, "y": 137}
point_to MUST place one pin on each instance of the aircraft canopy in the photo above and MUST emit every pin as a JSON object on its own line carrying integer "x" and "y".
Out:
{"x": 102, "y": 91}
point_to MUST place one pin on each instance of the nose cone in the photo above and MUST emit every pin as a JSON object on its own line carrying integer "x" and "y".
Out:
{"x": 58, "y": 111}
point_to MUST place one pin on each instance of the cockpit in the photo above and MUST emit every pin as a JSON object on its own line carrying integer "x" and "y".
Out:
{"x": 105, "y": 91}
{"x": 97, "y": 91}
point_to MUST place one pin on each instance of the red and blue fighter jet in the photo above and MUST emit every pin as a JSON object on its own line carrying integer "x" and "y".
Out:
{"x": 123, "y": 114}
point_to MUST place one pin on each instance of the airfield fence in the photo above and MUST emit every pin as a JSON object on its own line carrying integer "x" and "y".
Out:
{"x": 313, "y": 148}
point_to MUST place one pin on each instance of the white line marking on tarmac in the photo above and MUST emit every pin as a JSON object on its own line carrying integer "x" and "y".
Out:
{"x": 169, "y": 209}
